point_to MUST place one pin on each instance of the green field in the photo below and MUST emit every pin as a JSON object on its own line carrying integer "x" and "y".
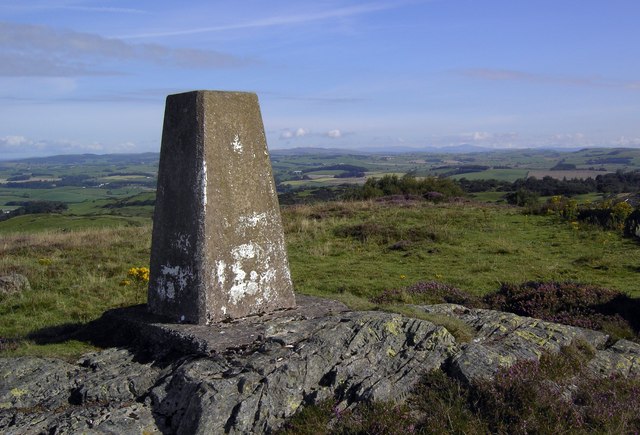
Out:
{"x": 495, "y": 174}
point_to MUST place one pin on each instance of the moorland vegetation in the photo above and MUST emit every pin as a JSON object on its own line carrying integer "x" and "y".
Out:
{"x": 396, "y": 240}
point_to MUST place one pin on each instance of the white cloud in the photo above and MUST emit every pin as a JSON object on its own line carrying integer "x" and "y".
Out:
{"x": 290, "y": 134}
{"x": 30, "y": 50}
{"x": 281, "y": 20}
{"x": 481, "y": 135}
{"x": 286, "y": 134}
{"x": 12, "y": 141}
{"x": 334, "y": 134}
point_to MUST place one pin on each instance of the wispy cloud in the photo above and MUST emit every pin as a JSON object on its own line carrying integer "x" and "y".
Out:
{"x": 281, "y": 20}
{"x": 30, "y": 50}
{"x": 522, "y": 76}
{"x": 67, "y": 6}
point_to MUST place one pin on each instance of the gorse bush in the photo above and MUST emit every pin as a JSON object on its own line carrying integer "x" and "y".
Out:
{"x": 608, "y": 214}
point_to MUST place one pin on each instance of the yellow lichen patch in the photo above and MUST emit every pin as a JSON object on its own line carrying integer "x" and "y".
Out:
{"x": 393, "y": 326}
{"x": 531, "y": 337}
{"x": 506, "y": 360}
{"x": 391, "y": 353}
{"x": 17, "y": 392}
{"x": 293, "y": 404}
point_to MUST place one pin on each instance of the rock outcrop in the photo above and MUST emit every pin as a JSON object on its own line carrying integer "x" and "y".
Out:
{"x": 253, "y": 384}
{"x": 13, "y": 283}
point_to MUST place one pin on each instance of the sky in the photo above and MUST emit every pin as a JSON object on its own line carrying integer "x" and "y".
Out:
{"x": 91, "y": 76}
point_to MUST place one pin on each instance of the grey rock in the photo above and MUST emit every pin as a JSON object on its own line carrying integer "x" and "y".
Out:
{"x": 27, "y": 382}
{"x": 291, "y": 359}
{"x": 501, "y": 339}
{"x": 112, "y": 375}
{"x": 621, "y": 359}
{"x": 13, "y": 283}
{"x": 40, "y": 395}
{"x": 353, "y": 357}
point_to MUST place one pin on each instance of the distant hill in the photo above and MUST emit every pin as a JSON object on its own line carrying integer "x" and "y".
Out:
{"x": 315, "y": 151}
{"x": 83, "y": 159}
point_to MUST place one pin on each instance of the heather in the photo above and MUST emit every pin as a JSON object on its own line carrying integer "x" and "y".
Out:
{"x": 569, "y": 303}
{"x": 554, "y": 395}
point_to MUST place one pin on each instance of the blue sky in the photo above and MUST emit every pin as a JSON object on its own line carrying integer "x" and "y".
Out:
{"x": 91, "y": 76}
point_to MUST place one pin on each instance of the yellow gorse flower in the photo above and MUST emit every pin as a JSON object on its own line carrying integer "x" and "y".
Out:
{"x": 139, "y": 274}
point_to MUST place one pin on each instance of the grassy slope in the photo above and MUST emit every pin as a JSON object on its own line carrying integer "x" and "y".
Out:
{"x": 475, "y": 247}
{"x": 338, "y": 250}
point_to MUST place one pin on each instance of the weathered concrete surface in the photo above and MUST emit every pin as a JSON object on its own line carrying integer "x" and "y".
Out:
{"x": 294, "y": 357}
{"x": 218, "y": 247}
{"x": 236, "y": 336}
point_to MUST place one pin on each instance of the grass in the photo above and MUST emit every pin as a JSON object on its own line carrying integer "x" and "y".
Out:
{"x": 75, "y": 276}
{"x": 351, "y": 251}
{"x": 475, "y": 247}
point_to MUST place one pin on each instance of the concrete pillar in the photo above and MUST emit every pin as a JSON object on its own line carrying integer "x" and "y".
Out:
{"x": 218, "y": 248}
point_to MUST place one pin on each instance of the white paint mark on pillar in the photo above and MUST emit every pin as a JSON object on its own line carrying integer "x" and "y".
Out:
{"x": 172, "y": 276}
{"x": 221, "y": 267}
{"x": 253, "y": 220}
{"x": 204, "y": 182}
{"x": 182, "y": 242}
{"x": 236, "y": 144}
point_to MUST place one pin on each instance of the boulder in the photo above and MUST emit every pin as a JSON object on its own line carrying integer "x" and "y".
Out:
{"x": 501, "y": 339}
{"x": 13, "y": 283}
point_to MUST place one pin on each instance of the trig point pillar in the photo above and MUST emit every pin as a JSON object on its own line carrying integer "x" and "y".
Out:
{"x": 218, "y": 247}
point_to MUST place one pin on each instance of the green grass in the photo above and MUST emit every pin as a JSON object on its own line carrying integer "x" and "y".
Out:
{"x": 473, "y": 247}
{"x": 75, "y": 276}
{"x": 70, "y": 195}
{"x": 488, "y": 196}
{"x": 347, "y": 251}
{"x": 62, "y": 222}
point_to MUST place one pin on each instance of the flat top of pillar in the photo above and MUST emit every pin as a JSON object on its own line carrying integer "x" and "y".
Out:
{"x": 213, "y": 92}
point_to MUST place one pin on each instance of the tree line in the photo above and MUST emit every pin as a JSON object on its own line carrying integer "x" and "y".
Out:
{"x": 615, "y": 182}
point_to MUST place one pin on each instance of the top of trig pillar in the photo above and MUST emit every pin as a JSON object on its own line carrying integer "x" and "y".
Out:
{"x": 218, "y": 247}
